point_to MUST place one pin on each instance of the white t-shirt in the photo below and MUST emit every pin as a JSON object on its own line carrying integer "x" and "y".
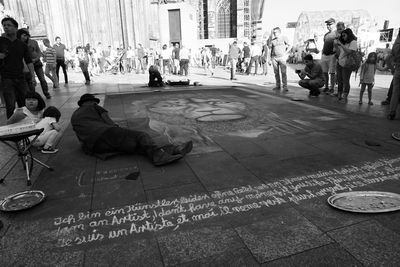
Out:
{"x": 342, "y": 56}
{"x": 45, "y": 124}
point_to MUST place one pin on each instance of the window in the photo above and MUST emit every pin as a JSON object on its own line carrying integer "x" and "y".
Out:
{"x": 224, "y": 19}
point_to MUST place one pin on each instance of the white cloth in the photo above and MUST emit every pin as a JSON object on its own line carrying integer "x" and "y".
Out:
{"x": 33, "y": 117}
{"x": 45, "y": 124}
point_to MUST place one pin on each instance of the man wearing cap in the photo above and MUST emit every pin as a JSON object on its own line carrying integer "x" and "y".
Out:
{"x": 99, "y": 134}
{"x": 328, "y": 60}
{"x": 12, "y": 53}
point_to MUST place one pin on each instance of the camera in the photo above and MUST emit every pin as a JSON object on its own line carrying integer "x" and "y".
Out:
{"x": 298, "y": 71}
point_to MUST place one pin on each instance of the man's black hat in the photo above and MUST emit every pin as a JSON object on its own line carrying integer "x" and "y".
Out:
{"x": 88, "y": 97}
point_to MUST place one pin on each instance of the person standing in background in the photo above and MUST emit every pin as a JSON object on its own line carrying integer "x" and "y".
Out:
{"x": 83, "y": 59}
{"x": 50, "y": 59}
{"x": 175, "y": 58}
{"x": 184, "y": 58}
{"x": 22, "y": 35}
{"x": 280, "y": 48}
{"x": 37, "y": 64}
{"x": 255, "y": 53}
{"x": 265, "y": 57}
{"x": 234, "y": 53}
{"x": 60, "y": 59}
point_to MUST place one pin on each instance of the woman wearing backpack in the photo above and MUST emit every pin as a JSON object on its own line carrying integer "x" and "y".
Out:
{"x": 347, "y": 45}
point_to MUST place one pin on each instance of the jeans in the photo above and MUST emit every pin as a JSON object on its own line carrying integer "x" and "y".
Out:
{"x": 166, "y": 64}
{"x": 312, "y": 85}
{"x": 184, "y": 66}
{"x": 396, "y": 91}
{"x": 233, "y": 67}
{"x": 343, "y": 79}
{"x": 176, "y": 65}
{"x": 28, "y": 79}
{"x": 117, "y": 139}
{"x": 84, "y": 67}
{"x": 279, "y": 63}
{"x": 50, "y": 72}
{"x": 13, "y": 90}
{"x": 61, "y": 63}
{"x": 40, "y": 74}
{"x": 256, "y": 62}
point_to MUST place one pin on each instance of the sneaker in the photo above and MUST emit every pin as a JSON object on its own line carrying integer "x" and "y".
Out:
{"x": 360, "y": 102}
{"x": 370, "y": 103}
{"x": 49, "y": 150}
{"x": 385, "y": 102}
{"x": 161, "y": 157}
{"x": 183, "y": 149}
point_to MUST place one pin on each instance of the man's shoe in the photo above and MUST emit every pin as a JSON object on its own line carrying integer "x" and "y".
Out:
{"x": 276, "y": 88}
{"x": 161, "y": 157}
{"x": 326, "y": 90}
{"x": 183, "y": 149}
{"x": 385, "y": 102}
{"x": 330, "y": 91}
{"x": 48, "y": 96}
{"x": 87, "y": 83}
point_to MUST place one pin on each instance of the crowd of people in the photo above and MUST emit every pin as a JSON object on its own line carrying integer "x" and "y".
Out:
{"x": 329, "y": 62}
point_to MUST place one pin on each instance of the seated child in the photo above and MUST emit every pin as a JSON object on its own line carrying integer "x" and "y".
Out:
{"x": 155, "y": 79}
{"x": 49, "y": 123}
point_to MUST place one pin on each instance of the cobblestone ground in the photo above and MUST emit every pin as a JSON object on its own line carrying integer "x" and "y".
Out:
{"x": 253, "y": 192}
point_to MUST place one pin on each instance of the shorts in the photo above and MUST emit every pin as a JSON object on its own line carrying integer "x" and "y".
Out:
{"x": 328, "y": 63}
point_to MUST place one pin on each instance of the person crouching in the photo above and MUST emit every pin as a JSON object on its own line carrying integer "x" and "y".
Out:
{"x": 314, "y": 72}
{"x": 155, "y": 79}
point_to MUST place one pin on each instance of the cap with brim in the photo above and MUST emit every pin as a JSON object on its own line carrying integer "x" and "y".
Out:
{"x": 88, "y": 97}
{"x": 330, "y": 21}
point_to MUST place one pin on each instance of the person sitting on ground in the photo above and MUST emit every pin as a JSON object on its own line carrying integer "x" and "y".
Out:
{"x": 51, "y": 130}
{"x": 313, "y": 71}
{"x": 32, "y": 111}
{"x": 99, "y": 134}
{"x": 155, "y": 79}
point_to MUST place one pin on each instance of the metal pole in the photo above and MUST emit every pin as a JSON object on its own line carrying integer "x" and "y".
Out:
{"x": 122, "y": 23}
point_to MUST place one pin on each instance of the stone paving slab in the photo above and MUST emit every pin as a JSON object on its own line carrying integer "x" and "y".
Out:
{"x": 331, "y": 255}
{"x": 370, "y": 243}
{"x": 201, "y": 243}
{"x": 219, "y": 170}
{"x": 143, "y": 252}
{"x": 280, "y": 236}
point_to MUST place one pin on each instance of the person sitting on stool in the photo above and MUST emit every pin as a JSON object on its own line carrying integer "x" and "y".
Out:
{"x": 155, "y": 79}
{"x": 314, "y": 72}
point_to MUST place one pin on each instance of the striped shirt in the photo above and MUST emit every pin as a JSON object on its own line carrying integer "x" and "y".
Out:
{"x": 50, "y": 55}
